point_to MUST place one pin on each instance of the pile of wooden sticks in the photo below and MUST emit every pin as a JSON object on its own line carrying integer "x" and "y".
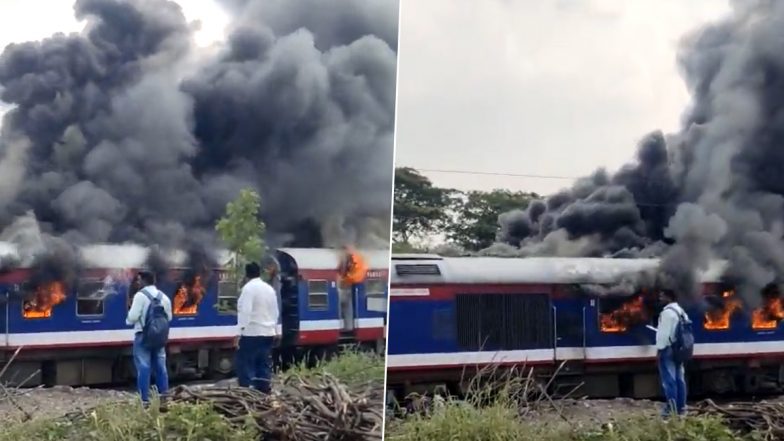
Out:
{"x": 764, "y": 418}
{"x": 320, "y": 408}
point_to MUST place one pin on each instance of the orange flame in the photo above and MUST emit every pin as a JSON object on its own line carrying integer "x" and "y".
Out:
{"x": 354, "y": 269}
{"x": 619, "y": 320}
{"x": 768, "y": 315}
{"x": 187, "y": 298}
{"x": 46, "y": 297}
{"x": 719, "y": 318}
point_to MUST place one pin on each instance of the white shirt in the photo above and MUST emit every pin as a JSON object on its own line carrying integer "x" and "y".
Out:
{"x": 257, "y": 310}
{"x": 668, "y": 321}
{"x": 141, "y": 303}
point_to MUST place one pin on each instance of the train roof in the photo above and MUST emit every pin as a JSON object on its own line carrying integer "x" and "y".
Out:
{"x": 123, "y": 256}
{"x": 115, "y": 256}
{"x": 326, "y": 259}
{"x": 551, "y": 270}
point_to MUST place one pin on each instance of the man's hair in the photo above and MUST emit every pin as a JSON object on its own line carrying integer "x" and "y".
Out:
{"x": 670, "y": 294}
{"x": 252, "y": 270}
{"x": 147, "y": 277}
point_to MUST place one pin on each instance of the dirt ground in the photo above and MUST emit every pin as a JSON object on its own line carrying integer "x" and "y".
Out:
{"x": 57, "y": 401}
{"x": 598, "y": 411}
{"x": 53, "y": 402}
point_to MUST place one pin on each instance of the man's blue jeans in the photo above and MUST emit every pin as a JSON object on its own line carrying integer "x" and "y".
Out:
{"x": 253, "y": 362}
{"x": 673, "y": 382}
{"x": 147, "y": 362}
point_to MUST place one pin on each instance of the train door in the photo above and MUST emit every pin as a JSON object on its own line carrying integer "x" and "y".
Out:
{"x": 5, "y": 297}
{"x": 348, "y": 297}
{"x": 569, "y": 317}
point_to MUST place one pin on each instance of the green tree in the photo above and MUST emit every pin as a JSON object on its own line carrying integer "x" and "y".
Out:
{"x": 407, "y": 248}
{"x": 420, "y": 207}
{"x": 476, "y": 214}
{"x": 242, "y": 231}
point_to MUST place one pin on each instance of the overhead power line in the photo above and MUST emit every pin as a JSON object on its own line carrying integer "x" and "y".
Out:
{"x": 527, "y": 175}
{"x": 514, "y": 175}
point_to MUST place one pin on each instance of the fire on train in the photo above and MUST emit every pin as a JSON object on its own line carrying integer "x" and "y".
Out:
{"x": 449, "y": 317}
{"x": 75, "y": 334}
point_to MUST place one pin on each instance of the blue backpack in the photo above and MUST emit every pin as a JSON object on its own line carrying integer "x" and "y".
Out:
{"x": 683, "y": 341}
{"x": 155, "y": 332}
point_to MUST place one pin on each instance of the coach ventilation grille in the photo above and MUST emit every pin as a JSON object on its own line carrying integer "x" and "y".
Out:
{"x": 504, "y": 321}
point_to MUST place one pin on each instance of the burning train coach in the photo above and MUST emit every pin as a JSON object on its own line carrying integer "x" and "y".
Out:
{"x": 451, "y": 316}
{"x": 72, "y": 331}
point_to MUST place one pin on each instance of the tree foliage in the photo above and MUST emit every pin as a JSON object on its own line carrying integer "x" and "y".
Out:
{"x": 242, "y": 230}
{"x": 475, "y": 222}
{"x": 468, "y": 220}
{"x": 420, "y": 207}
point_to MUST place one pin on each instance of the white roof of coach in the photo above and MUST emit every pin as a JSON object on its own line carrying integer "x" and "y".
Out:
{"x": 327, "y": 259}
{"x": 415, "y": 256}
{"x": 563, "y": 270}
{"x": 118, "y": 256}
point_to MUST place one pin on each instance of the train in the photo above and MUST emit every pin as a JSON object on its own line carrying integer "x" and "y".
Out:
{"x": 451, "y": 317}
{"x": 78, "y": 337}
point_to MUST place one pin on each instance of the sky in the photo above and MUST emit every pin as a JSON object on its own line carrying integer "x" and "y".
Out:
{"x": 23, "y": 20}
{"x": 537, "y": 87}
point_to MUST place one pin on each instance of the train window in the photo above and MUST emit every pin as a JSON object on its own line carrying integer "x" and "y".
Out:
{"x": 619, "y": 314}
{"x": 228, "y": 293}
{"x": 188, "y": 295}
{"x": 40, "y": 301}
{"x": 90, "y": 296}
{"x": 318, "y": 295}
{"x": 374, "y": 293}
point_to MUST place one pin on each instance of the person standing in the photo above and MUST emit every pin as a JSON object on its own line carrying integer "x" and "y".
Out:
{"x": 257, "y": 322}
{"x": 671, "y": 370}
{"x": 150, "y": 315}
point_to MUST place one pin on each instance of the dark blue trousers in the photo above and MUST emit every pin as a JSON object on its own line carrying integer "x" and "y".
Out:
{"x": 253, "y": 363}
{"x": 673, "y": 383}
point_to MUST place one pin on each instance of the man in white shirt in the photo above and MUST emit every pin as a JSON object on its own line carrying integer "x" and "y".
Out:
{"x": 672, "y": 373}
{"x": 257, "y": 322}
{"x": 147, "y": 361}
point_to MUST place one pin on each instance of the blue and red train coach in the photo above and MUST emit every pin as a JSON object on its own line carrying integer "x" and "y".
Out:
{"x": 74, "y": 332}
{"x": 452, "y": 316}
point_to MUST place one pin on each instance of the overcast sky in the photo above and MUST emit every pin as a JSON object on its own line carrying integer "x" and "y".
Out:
{"x": 27, "y": 20}
{"x": 544, "y": 87}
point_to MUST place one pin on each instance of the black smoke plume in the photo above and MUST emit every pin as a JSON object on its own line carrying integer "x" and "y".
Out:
{"x": 714, "y": 190}
{"x": 60, "y": 262}
{"x": 125, "y": 132}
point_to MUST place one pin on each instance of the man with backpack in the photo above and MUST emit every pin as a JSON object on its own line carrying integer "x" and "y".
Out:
{"x": 150, "y": 314}
{"x": 674, "y": 344}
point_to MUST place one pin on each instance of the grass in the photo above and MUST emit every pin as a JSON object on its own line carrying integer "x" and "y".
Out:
{"x": 457, "y": 421}
{"x": 129, "y": 421}
{"x": 351, "y": 367}
{"x": 491, "y": 411}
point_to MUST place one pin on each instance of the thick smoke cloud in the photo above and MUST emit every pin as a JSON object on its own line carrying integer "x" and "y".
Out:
{"x": 107, "y": 140}
{"x": 715, "y": 190}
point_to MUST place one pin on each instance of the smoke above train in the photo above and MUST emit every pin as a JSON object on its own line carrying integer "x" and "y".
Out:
{"x": 713, "y": 190}
{"x": 129, "y": 132}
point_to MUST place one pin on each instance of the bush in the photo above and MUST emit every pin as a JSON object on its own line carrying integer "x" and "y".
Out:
{"x": 351, "y": 367}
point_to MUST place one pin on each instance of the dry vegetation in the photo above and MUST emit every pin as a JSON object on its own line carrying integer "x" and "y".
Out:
{"x": 339, "y": 399}
{"x": 515, "y": 406}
